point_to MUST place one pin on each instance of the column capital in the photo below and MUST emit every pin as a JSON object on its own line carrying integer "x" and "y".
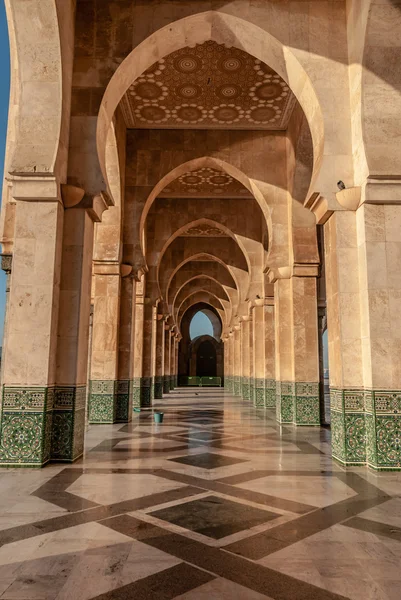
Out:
{"x": 6, "y": 262}
{"x": 76, "y": 197}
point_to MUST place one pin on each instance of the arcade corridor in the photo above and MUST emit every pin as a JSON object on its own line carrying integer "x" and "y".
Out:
{"x": 218, "y": 502}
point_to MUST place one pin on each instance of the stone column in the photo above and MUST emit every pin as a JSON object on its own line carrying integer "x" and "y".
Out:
{"x": 251, "y": 361}
{"x": 232, "y": 361}
{"x": 363, "y": 278}
{"x": 177, "y": 349}
{"x": 138, "y": 345}
{"x": 172, "y": 356}
{"x": 245, "y": 356}
{"x": 167, "y": 350}
{"x": 104, "y": 362}
{"x": 258, "y": 324}
{"x": 148, "y": 374}
{"x": 270, "y": 355}
{"x": 126, "y": 351}
{"x": 227, "y": 363}
{"x": 159, "y": 357}
{"x": 73, "y": 335}
{"x": 30, "y": 343}
{"x": 237, "y": 361}
{"x": 297, "y": 351}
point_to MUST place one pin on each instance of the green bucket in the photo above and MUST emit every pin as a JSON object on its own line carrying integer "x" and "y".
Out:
{"x": 158, "y": 417}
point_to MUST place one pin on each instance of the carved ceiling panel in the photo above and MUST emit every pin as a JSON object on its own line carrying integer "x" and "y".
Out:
{"x": 205, "y": 183}
{"x": 209, "y": 86}
{"x": 204, "y": 230}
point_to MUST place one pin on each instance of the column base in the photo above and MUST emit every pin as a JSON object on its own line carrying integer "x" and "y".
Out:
{"x": 42, "y": 424}
{"x": 306, "y": 404}
{"x": 252, "y": 390}
{"x": 102, "y": 401}
{"x": 285, "y": 392}
{"x": 68, "y": 429}
{"x": 298, "y": 403}
{"x": 123, "y": 399}
{"x": 166, "y": 384}
{"x": 366, "y": 428}
{"x": 245, "y": 388}
{"x": 270, "y": 393}
{"x": 259, "y": 393}
{"x": 26, "y": 426}
{"x": 237, "y": 386}
{"x": 143, "y": 392}
{"x": 158, "y": 387}
{"x": 172, "y": 381}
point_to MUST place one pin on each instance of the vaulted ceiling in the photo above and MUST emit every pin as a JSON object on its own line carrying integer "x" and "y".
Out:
{"x": 209, "y": 86}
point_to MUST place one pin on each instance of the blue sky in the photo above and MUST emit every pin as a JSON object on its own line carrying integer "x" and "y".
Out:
{"x": 4, "y": 95}
{"x": 200, "y": 325}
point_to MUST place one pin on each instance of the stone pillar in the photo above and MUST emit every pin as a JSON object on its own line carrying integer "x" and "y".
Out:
{"x": 177, "y": 349}
{"x": 258, "y": 355}
{"x": 30, "y": 343}
{"x": 245, "y": 357}
{"x": 167, "y": 350}
{"x": 237, "y": 361}
{"x": 172, "y": 355}
{"x": 270, "y": 355}
{"x": 159, "y": 372}
{"x": 227, "y": 363}
{"x": 105, "y": 349}
{"x": 138, "y": 345}
{"x": 73, "y": 335}
{"x": 297, "y": 351}
{"x": 148, "y": 374}
{"x": 251, "y": 362}
{"x": 126, "y": 353}
{"x": 363, "y": 270}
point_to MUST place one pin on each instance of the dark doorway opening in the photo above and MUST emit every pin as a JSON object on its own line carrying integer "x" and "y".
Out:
{"x": 206, "y": 360}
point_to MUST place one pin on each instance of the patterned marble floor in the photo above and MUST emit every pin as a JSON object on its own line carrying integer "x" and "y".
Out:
{"x": 217, "y": 502}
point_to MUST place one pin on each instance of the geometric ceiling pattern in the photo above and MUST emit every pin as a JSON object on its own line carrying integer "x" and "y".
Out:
{"x": 205, "y": 183}
{"x": 204, "y": 230}
{"x": 207, "y": 86}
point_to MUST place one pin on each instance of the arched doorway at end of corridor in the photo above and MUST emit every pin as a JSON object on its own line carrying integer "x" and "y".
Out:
{"x": 201, "y": 350}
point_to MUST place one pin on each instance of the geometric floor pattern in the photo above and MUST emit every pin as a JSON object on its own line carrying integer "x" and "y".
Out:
{"x": 217, "y": 502}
